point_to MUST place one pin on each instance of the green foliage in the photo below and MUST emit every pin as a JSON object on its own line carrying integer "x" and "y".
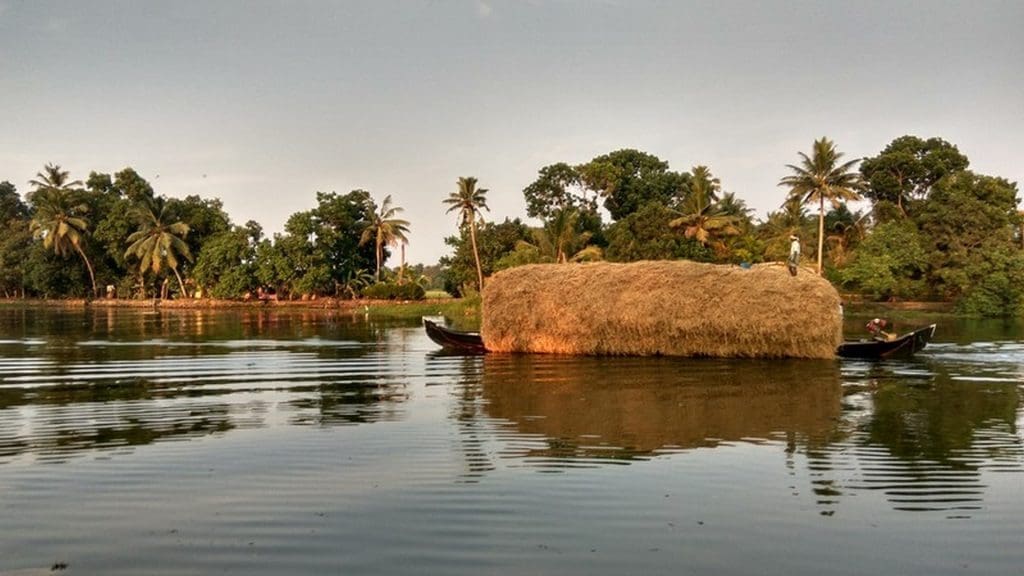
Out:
{"x": 395, "y": 291}
{"x": 774, "y": 233}
{"x": 646, "y": 235}
{"x": 468, "y": 201}
{"x": 226, "y": 265}
{"x": 820, "y": 178}
{"x": 15, "y": 241}
{"x": 997, "y": 283}
{"x": 702, "y": 220}
{"x": 337, "y": 224}
{"x": 320, "y": 248}
{"x": 493, "y": 240}
{"x": 205, "y": 218}
{"x": 59, "y": 218}
{"x": 890, "y": 263}
{"x": 558, "y": 187}
{"x": 383, "y": 229}
{"x": 965, "y": 217}
{"x": 11, "y": 206}
{"x": 629, "y": 179}
{"x": 48, "y": 275}
{"x": 908, "y": 167}
{"x": 158, "y": 240}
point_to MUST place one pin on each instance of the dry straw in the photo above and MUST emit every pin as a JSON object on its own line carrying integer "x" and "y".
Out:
{"x": 672, "y": 308}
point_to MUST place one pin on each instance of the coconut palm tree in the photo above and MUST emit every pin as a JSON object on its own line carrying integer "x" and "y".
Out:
{"x": 468, "y": 200}
{"x": 158, "y": 241}
{"x": 702, "y": 220}
{"x": 384, "y": 229}
{"x": 821, "y": 177}
{"x": 560, "y": 241}
{"x": 53, "y": 178}
{"x": 59, "y": 220}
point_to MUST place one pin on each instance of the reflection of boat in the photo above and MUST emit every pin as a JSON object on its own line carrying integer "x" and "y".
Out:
{"x": 569, "y": 408}
{"x": 453, "y": 339}
{"x": 900, "y": 347}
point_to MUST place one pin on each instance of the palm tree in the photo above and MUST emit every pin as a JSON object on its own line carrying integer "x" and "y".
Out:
{"x": 158, "y": 241}
{"x": 355, "y": 281}
{"x": 469, "y": 200}
{"x": 559, "y": 240}
{"x": 53, "y": 178}
{"x": 820, "y": 177}
{"x": 385, "y": 229}
{"x": 701, "y": 219}
{"x": 59, "y": 221}
{"x": 780, "y": 225}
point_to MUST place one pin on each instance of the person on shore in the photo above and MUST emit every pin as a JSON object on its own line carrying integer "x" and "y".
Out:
{"x": 794, "y": 254}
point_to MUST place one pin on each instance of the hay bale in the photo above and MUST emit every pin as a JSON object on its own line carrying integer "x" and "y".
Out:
{"x": 674, "y": 308}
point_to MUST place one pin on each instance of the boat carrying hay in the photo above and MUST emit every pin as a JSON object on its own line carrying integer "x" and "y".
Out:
{"x": 673, "y": 308}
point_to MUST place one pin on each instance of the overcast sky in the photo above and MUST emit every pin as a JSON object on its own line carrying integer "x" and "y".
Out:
{"x": 264, "y": 103}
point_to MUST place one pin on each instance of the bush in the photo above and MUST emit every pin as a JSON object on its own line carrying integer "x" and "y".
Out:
{"x": 392, "y": 291}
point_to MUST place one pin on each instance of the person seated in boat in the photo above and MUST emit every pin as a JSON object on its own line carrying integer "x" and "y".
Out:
{"x": 878, "y": 328}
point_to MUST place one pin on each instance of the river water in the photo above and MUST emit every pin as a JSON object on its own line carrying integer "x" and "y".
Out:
{"x": 265, "y": 442}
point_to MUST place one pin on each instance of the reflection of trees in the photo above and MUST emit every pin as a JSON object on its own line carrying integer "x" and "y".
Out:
{"x": 927, "y": 440}
{"x": 95, "y": 379}
{"x": 349, "y": 403}
{"x": 627, "y": 408}
{"x": 55, "y": 424}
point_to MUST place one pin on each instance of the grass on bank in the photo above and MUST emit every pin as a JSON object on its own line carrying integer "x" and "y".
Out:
{"x": 463, "y": 312}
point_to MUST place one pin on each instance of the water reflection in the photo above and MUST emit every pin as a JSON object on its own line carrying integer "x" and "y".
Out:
{"x": 75, "y": 382}
{"x": 914, "y": 432}
{"x": 562, "y": 410}
{"x": 922, "y": 435}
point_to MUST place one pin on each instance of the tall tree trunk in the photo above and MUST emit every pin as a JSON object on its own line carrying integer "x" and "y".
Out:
{"x": 476, "y": 256}
{"x": 184, "y": 293}
{"x": 821, "y": 230}
{"x": 401, "y": 267}
{"x": 379, "y": 256}
{"x": 92, "y": 277}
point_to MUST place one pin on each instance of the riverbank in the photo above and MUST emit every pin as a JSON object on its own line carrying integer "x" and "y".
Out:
{"x": 466, "y": 308}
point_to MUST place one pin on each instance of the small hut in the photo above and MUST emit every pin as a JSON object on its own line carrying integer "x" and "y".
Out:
{"x": 672, "y": 308}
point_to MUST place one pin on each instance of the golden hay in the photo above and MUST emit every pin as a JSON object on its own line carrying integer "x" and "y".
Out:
{"x": 673, "y": 308}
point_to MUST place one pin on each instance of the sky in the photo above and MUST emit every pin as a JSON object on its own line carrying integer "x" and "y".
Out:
{"x": 264, "y": 103}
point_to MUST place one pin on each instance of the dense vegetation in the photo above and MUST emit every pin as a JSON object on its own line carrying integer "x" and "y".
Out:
{"x": 113, "y": 236}
{"x": 929, "y": 229}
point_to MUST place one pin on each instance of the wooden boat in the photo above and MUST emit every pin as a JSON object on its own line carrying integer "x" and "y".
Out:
{"x": 868, "y": 349}
{"x": 453, "y": 340}
{"x": 877, "y": 349}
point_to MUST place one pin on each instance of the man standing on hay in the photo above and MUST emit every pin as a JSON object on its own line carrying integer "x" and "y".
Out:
{"x": 794, "y": 254}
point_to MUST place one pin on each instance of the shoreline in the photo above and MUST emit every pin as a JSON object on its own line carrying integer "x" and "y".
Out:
{"x": 210, "y": 303}
{"x": 849, "y": 301}
{"x": 459, "y": 310}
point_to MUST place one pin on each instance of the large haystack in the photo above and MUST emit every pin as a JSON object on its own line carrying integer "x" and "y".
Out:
{"x": 673, "y": 308}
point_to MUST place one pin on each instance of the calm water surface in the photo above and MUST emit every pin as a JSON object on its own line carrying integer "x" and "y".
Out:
{"x": 195, "y": 442}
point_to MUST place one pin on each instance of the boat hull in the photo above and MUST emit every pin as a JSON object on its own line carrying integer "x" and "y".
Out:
{"x": 453, "y": 340}
{"x": 902, "y": 347}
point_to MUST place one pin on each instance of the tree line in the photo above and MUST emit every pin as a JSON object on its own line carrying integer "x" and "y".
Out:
{"x": 113, "y": 236}
{"x": 929, "y": 228}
